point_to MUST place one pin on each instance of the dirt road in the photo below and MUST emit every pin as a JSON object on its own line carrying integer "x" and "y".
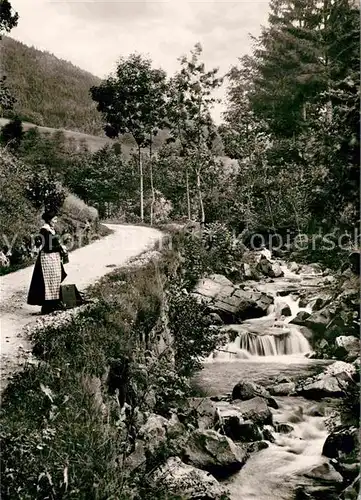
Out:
{"x": 86, "y": 266}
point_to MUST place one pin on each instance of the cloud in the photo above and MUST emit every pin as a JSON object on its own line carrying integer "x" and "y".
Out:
{"x": 111, "y": 11}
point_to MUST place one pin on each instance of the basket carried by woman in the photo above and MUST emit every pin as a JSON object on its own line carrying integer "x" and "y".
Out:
{"x": 49, "y": 271}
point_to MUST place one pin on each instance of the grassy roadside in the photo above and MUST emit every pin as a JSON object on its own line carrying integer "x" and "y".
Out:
{"x": 65, "y": 432}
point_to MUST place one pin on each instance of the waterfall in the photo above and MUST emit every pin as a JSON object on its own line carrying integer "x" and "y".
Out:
{"x": 290, "y": 342}
{"x": 272, "y": 341}
{"x": 272, "y": 335}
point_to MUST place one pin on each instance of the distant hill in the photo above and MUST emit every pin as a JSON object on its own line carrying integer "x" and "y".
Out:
{"x": 93, "y": 142}
{"x": 50, "y": 92}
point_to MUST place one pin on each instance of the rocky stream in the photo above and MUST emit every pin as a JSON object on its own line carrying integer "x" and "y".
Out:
{"x": 270, "y": 394}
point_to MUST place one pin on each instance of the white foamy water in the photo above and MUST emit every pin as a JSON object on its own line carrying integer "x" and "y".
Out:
{"x": 271, "y": 335}
{"x": 262, "y": 349}
{"x": 275, "y": 472}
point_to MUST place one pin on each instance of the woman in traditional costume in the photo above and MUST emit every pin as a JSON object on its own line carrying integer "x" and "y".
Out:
{"x": 48, "y": 271}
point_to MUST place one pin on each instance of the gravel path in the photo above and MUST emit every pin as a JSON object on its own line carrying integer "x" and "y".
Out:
{"x": 86, "y": 266}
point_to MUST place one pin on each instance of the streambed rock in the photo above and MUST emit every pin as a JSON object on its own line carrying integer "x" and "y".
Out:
{"x": 257, "y": 446}
{"x": 234, "y": 423}
{"x": 215, "y": 453}
{"x": 301, "y": 318}
{"x": 256, "y": 410}
{"x": 189, "y": 482}
{"x": 229, "y": 301}
{"x": 277, "y": 271}
{"x": 264, "y": 266}
{"x": 284, "y": 428}
{"x": 342, "y": 442}
{"x": 245, "y": 390}
{"x": 325, "y": 473}
{"x": 350, "y": 345}
{"x": 352, "y": 491}
{"x": 328, "y": 386}
{"x": 320, "y": 492}
{"x": 294, "y": 267}
{"x": 319, "y": 320}
{"x": 284, "y": 389}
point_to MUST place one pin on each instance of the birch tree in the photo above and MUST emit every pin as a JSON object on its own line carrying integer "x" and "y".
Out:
{"x": 132, "y": 101}
{"x": 190, "y": 104}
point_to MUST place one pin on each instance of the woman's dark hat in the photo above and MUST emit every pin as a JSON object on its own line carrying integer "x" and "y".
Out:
{"x": 48, "y": 215}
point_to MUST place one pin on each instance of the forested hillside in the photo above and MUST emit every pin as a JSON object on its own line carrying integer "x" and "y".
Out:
{"x": 49, "y": 91}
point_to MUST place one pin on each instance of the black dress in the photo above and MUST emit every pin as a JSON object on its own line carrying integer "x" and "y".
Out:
{"x": 48, "y": 273}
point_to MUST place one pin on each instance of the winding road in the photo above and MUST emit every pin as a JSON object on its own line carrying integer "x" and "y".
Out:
{"x": 86, "y": 266}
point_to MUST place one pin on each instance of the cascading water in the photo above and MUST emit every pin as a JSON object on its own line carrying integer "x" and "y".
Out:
{"x": 271, "y": 335}
{"x": 288, "y": 342}
{"x": 263, "y": 349}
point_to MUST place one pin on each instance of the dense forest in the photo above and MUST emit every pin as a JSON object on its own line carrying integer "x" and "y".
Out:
{"x": 49, "y": 91}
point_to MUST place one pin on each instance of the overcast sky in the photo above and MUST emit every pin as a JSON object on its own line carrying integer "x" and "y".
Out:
{"x": 92, "y": 34}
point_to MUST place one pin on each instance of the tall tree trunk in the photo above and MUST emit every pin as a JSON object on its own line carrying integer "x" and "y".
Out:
{"x": 188, "y": 195}
{"x": 270, "y": 212}
{"x": 304, "y": 111}
{"x": 329, "y": 104}
{"x": 141, "y": 184}
{"x": 198, "y": 168}
{"x": 200, "y": 197}
{"x": 151, "y": 179}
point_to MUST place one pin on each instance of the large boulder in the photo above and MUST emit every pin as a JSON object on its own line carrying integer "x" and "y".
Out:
{"x": 265, "y": 267}
{"x": 230, "y": 302}
{"x": 157, "y": 430}
{"x": 328, "y": 386}
{"x": 255, "y": 409}
{"x": 210, "y": 288}
{"x": 214, "y": 453}
{"x": 301, "y": 318}
{"x": 339, "y": 367}
{"x": 284, "y": 389}
{"x": 325, "y": 473}
{"x": 154, "y": 432}
{"x": 233, "y": 423}
{"x": 293, "y": 267}
{"x": 319, "y": 320}
{"x": 203, "y": 411}
{"x": 188, "y": 482}
{"x": 246, "y": 389}
{"x": 342, "y": 442}
{"x": 277, "y": 271}
{"x": 350, "y": 345}
{"x": 319, "y": 302}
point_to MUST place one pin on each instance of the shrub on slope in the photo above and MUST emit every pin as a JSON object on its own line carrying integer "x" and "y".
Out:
{"x": 20, "y": 219}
